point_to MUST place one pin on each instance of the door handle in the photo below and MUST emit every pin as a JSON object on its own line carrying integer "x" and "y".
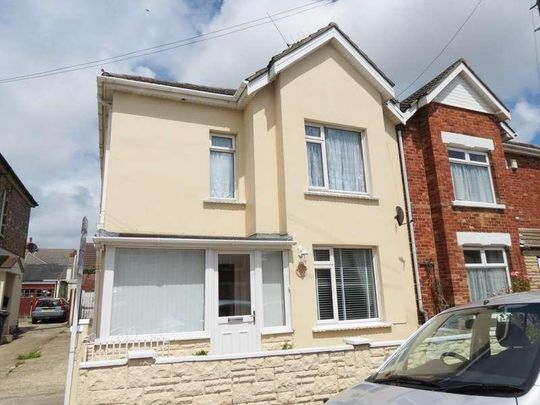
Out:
{"x": 253, "y": 317}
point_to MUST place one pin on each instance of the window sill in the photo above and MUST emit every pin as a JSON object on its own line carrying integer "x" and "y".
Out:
{"x": 351, "y": 326}
{"x": 473, "y": 204}
{"x": 339, "y": 194}
{"x": 276, "y": 330}
{"x": 224, "y": 201}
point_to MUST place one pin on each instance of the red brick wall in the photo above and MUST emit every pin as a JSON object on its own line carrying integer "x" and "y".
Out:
{"x": 524, "y": 195}
{"x": 18, "y": 217}
{"x": 436, "y": 220}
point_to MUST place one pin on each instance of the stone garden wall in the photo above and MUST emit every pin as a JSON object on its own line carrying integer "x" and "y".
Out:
{"x": 296, "y": 376}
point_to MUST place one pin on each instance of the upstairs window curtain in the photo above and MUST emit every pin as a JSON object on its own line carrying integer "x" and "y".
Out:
{"x": 345, "y": 285}
{"x": 222, "y": 153}
{"x": 471, "y": 177}
{"x": 335, "y": 159}
{"x": 345, "y": 161}
{"x": 157, "y": 291}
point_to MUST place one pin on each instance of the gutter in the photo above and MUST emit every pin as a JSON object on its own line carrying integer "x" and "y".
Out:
{"x": 410, "y": 225}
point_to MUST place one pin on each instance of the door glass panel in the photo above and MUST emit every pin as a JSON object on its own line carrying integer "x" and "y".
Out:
{"x": 234, "y": 285}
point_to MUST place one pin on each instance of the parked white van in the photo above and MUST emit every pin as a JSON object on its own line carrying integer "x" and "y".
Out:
{"x": 481, "y": 353}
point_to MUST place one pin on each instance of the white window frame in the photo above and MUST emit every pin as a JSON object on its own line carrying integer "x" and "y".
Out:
{"x": 468, "y": 161}
{"x": 107, "y": 298}
{"x": 331, "y": 265}
{"x": 485, "y": 264}
{"x": 322, "y": 141}
{"x": 3, "y": 212}
{"x": 231, "y": 150}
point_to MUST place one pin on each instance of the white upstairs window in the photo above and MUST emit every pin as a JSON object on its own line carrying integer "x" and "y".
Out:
{"x": 471, "y": 176}
{"x": 222, "y": 167}
{"x": 335, "y": 159}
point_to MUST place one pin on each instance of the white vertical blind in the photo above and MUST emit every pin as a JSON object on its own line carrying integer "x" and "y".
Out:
{"x": 157, "y": 291}
{"x": 323, "y": 280}
{"x": 221, "y": 174}
{"x": 273, "y": 289}
{"x": 345, "y": 160}
{"x": 355, "y": 281}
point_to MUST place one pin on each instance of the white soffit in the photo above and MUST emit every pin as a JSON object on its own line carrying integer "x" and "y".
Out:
{"x": 467, "y": 141}
{"x": 468, "y": 83}
{"x": 343, "y": 46}
{"x": 483, "y": 239}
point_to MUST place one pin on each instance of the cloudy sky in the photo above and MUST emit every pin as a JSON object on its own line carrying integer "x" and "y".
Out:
{"x": 48, "y": 126}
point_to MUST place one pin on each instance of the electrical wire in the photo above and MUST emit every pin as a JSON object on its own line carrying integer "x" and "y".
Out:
{"x": 536, "y": 45}
{"x": 174, "y": 44}
{"x": 443, "y": 49}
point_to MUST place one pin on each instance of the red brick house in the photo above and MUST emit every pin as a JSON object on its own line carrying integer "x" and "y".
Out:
{"x": 464, "y": 197}
{"x": 15, "y": 204}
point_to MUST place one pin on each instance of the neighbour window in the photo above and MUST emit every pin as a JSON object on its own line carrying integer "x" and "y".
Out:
{"x": 335, "y": 159}
{"x": 222, "y": 151}
{"x": 471, "y": 176}
{"x": 273, "y": 289}
{"x": 3, "y": 211}
{"x": 157, "y": 291}
{"x": 487, "y": 272}
{"x": 345, "y": 284}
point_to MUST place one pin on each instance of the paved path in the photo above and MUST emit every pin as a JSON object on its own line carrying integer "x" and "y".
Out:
{"x": 36, "y": 381}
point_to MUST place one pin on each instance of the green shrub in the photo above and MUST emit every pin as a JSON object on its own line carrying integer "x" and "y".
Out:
{"x": 520, "y": 282}
{"x": 201, "y": 352}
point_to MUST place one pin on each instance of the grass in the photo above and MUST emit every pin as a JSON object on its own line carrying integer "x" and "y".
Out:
{"x": 34, "y": 354}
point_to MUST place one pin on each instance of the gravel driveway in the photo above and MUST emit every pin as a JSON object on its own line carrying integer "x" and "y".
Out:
{"x": 40, "y": 380}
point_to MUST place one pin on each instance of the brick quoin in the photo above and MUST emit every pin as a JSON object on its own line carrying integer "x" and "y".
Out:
{"x": 436, "y": 220}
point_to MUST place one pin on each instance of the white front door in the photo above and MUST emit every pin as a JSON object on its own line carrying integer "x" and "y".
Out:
{"x": 236, "y": 319}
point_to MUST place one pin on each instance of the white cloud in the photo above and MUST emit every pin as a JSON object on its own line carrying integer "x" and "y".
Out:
{"x": 48, "y": 126}
{"x": 526, "y": 120}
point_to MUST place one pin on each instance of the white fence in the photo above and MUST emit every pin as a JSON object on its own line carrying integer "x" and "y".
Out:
{"x": 87, "y": 305}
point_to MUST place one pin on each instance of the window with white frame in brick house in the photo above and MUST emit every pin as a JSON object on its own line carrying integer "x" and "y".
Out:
{"x": 335, "y": 159}
{"x": 3, "y": 212}
{"x": 345, "y": 285}
{"x": 471, "y": 176}
{"x": 222, "y": 166}
{"x": 487, "y": 272}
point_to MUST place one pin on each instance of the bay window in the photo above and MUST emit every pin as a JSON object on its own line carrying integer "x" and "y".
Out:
{"x": 157, "y": 291}
{"x": 471, "y": 176}
{"x": 335, "y": 159}
{"x": 222, "y": 167}
{"x": 345, "y": 284}
{"x": 487, "y": 272}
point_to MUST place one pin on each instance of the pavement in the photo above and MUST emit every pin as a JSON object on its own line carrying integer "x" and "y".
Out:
{"x": 35, "y": 381}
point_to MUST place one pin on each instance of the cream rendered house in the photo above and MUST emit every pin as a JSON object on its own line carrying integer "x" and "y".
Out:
{"x": 241, "y": 220}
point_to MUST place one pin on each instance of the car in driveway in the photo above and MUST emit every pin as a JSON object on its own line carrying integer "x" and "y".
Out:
{"x": 45, "y": 309}
{"x": 480, "y": 353}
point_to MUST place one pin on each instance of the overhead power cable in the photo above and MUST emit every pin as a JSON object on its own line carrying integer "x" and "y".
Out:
{"x": 174, "y": 44}
{"x": 443, "y": 49}
{"x": 536, "y": 42}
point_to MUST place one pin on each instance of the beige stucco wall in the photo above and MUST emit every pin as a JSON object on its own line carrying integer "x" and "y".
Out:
{"x": 159, "y": 169}
{"x": 325, "y": 88}
{"x": 158, "y": 179}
